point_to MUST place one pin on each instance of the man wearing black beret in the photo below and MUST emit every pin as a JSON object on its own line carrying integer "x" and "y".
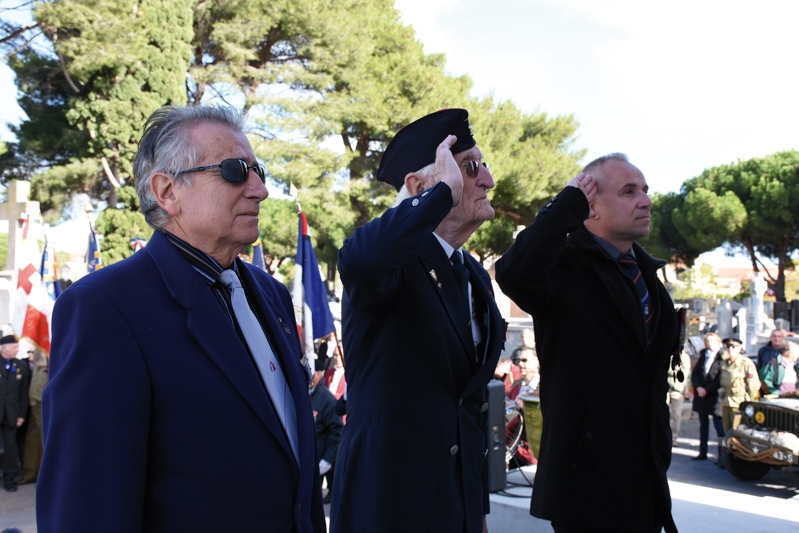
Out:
{"x": 15, "y": 378}
{"x": 422, "y": 336}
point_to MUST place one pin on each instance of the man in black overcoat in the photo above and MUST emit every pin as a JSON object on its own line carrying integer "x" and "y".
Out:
{"x": 15, "y": 378}
{"x": 706, "y": 380}
{"x": 604, "y": 450}
{"x": 421, "y": 344}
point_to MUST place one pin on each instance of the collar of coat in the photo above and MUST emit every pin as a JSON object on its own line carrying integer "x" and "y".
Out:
{"x": 583, "y": 239}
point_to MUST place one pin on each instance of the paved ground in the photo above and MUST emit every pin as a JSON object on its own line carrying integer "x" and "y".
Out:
{"x": 705, "y": 498}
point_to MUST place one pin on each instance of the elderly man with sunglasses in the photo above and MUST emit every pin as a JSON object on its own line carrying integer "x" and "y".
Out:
{"x": 178, "y": 400}
{"x": 422, "y": 342}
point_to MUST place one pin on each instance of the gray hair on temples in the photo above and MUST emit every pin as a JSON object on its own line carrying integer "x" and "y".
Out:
{"x": 166, "y": 146}
{"x": 425, "y": 173}
{"x": 599, "y": 161}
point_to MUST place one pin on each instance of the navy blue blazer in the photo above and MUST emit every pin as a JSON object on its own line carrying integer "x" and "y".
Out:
{"x": 155, "y": 418}
{"x": 413, "y": 451}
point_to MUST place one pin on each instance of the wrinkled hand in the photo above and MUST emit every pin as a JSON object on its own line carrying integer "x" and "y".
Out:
{"x": 20, "y": 421}
{"x": 587, "y": 184}
{"x": 701, "y": 392}
{"x": 324, "y": 467}
{"x": 446, "y": 169}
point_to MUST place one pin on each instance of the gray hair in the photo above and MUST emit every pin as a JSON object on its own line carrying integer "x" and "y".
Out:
{"x": 599, "y": 161}
{"x": 166, "y": 146}
{"x": 425, "y": 173}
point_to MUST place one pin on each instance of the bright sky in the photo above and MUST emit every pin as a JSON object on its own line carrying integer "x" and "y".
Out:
{"x": 678, "y": 86}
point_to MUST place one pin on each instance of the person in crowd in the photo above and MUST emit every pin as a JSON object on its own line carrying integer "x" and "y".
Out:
{"x": 335, "y": 380}
{"x": 178, "y": 400}
{"x": 422, "y": 336}
{"x": 780, "y": 375}
{"x": 706, "y": 380}
{"x": 579, "y": 263}
{"x": 328, "y": 424}
{"x": 14, "y": 390}
{"x": 770, "y": 350}
{"x": 528, "y": 343}
{"x": 34, "y": 445}
{"x": 528, "y": 383}
{"x": 676, "y": 395}
{"x": 507, "y": 373}
{"x": 739, "y": 382}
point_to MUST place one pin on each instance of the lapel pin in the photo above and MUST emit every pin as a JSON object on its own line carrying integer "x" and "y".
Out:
{"x": 433, "y": 275}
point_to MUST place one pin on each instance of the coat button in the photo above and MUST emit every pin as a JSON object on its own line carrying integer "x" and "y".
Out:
{"x": 415, "y": 202}
{"x": 453, "y": 450}
{"x": 589, "y": 435}
{"x": 484, "y": 408}
{"x": 299, "y": 509}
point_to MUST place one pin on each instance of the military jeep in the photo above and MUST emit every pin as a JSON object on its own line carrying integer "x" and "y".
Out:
{"x": 767, "y": 437}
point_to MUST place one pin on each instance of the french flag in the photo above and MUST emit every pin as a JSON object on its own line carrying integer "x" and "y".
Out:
{"x": 311, "y": 309}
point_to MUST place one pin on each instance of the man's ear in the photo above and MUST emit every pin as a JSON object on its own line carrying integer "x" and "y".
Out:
{"x": 163, "y": 189}
{"x": 414, "y": 183}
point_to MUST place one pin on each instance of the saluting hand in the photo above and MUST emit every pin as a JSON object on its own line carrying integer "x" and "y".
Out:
{"x": 446, "y": 169}
{"x": 587, "y": 184}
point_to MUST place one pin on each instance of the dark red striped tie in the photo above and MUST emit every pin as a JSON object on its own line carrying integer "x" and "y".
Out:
{"x": 630, "y": 266}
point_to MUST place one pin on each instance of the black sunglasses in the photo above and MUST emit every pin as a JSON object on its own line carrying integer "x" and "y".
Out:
{"x": 233, "y": 170}
{"x": 472, "y": 166}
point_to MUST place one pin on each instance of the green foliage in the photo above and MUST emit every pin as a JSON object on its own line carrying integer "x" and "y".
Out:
{"x": 748, "y": 204}
{"x": 119, "y": 226}
{"x": 307, "y": 71}
{"x": 121, "y": 62}
{"x": 277, "y": 222}
{"x": 531, "y": 160}
{"x": 664, "y": 239}
{"x": 3, "y": 248}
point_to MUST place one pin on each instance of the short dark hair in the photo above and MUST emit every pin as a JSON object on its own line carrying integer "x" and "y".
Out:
{"x": 599, "y": 161}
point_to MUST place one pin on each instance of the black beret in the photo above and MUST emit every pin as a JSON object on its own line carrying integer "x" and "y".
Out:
{"x": 731, "y": 341}
{"x": 414, "y": 146}
{"x": 8, "y": 339}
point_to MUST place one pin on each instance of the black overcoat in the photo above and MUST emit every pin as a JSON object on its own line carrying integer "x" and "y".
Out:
{"x": 413, "y": 451}
{"x": 711, "y": 382}
{"x": 14, "y": 389}
{"x": 606, "y": 441}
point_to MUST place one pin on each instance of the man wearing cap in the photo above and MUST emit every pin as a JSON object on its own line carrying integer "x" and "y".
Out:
{"x": 14, "y": 389}
{"x": 178, "y": 400}
{"x": 739, "y": 382}
{"x": 604, "y": 450}
{"x": 422, "y": 336}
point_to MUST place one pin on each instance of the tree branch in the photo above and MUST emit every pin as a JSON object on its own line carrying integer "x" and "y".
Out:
{"x": 17, "y": 32}
{"x": 66, "y": 74}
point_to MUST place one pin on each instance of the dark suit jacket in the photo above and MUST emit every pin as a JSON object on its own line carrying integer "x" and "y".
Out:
{"x": 155, "y": 418}
{"x": 412, "y": 456}
{"x": 604, "y": 450}
{"x": 14, "y": 390}
{"x": 711, "y": 382}
{"x": 328, "y": 423}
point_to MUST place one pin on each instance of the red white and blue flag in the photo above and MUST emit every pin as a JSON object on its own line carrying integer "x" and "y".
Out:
{"x": 37, "y": 289}
{"x": 311, "y": 309}
{"x": 137, "y": 243}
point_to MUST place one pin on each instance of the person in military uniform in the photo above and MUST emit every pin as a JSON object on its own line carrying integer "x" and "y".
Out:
{"x": 15, "y": 378}
{"x": 739, "y": 382}
{"x": 34, "y": 445}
